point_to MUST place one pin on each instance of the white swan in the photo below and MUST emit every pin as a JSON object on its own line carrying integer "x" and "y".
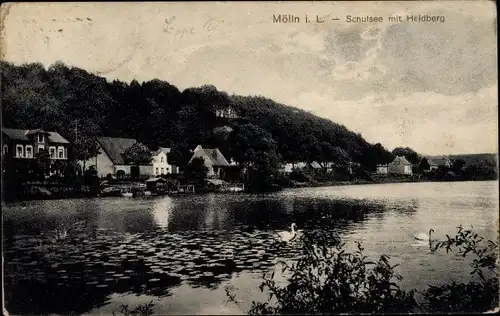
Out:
{"x": 423, "y": 236}
{"x": 287, "y": 236}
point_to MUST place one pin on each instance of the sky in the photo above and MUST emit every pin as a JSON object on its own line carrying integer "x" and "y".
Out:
{"x": 430, "y": 86}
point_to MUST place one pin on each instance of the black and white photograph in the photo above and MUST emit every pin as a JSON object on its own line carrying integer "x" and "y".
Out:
{"x": 233, "y": 158}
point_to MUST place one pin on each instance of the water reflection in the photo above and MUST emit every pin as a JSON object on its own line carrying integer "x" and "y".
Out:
{"x": 162, "y": 209}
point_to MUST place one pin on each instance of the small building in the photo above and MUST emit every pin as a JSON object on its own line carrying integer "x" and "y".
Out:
{"x": 437, "y": 163}
{"x": 160, "y": 162}
{"x": 400, "y": 166}
{"x": 382, "y": 169}
{"x": 27, "y": 143}
{"x": 213, "y": 159}
{"x": 109, "y": 160}
{"x": 289, "y": 167}
{"x": 226, "y": 112}
{"x": 314, "y": 167}
{"x": 216, "y": 185}
{"x": 156, "y": 186}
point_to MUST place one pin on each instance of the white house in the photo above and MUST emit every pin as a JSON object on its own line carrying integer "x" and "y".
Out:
{"x": 160, "y": 162}
{"x": 382, "y": 169}
{"x": 400, "y": 166}
{"x": 289, "y": 167}
{"x": 109, "y": 160}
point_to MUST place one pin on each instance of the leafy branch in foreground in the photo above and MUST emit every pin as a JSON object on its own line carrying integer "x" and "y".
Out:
{"x": 328, "y": 279}
{"x": 140, "y": 310}
{"x": 482, "y": 294}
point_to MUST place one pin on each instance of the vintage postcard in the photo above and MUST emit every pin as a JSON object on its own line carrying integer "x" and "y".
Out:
{"x": 163, "y": 158}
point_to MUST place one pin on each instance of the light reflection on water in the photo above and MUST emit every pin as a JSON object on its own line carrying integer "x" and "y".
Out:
{"x": 232, "y": 236}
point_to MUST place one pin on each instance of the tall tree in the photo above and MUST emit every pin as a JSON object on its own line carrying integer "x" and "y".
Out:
{"x": 424, "y": 165}
{"x": 179, "y": 155}
{"x": 248, "y": 142}
{"x": 411, "y": 155}
{"x": 196, "y": 172}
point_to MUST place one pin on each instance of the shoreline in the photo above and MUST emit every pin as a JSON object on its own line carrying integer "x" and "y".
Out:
{"x": 360, "y": 182}
{"x": 295, "y": 185}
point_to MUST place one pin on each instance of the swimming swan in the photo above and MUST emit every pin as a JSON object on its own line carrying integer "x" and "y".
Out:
{"x": 423, "y": 236}
{"x": 287, "y": 236}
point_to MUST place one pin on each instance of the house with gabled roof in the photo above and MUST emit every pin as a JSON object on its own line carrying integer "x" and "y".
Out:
{"x": 436, "y": 163}
{"x": 109, "y": 160}
{"x": 400, "y": 166}
{"x": 27, "y": 143}
{"x": 213, "y": 159}
{"x": 160, "y": 162}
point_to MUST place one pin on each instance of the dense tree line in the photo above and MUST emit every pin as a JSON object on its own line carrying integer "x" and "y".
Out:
{"x": 81, "y": 106}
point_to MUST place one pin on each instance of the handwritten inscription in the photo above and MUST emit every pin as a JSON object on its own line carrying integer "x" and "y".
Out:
{"x": 176, "y": 30}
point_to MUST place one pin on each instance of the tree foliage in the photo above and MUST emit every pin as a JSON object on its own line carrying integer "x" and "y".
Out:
{"x": 411, "y": 155}
{"x": 81, "y": 106}
{"x": 328, "y": 279}
{"x": 249, "y": 141}
{"x": 196, "y": 171}
{"x": 137, "y": 154}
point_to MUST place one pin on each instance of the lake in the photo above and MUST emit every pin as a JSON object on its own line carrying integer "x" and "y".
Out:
{"x": 181, "y": 252}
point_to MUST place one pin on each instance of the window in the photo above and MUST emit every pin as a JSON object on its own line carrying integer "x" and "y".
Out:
{"x": 29, "y": 151}
{"x": 41, "y": 147}
{"x": 52, "y": 151}
{"x": 19, "y": 151}
{"x": 156, "y": 170}
{"x": 5, "y": 149}
{"x": 161, "y": 159}
{"x": 60, "y": 152}
{"x": 41, "y": 138}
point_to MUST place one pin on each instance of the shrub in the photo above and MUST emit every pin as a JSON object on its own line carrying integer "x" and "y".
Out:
{"x": 140, "y": 310}
{"x": 476, "y": 296}
{"x": 328, "y": 279}
{"x": 299, "y": 175}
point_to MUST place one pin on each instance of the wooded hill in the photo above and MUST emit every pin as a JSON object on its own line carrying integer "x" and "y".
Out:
{"x": 81, "y": 106}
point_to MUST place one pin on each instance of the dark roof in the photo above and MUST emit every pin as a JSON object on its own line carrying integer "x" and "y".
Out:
{"x": 315, "y": 165}
{"x": 114, "y": 147}
{"x": 22, "y": 134}
{"x": 215, "y": 156}
{"x": 438, "y": 161}
{"x": 34, "y": 131}
{"x": 57, "y": 138}
{"x": 431, "y": 162}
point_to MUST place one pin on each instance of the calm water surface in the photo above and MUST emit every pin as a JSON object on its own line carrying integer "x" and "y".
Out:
{"x": 181, "y": 252}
